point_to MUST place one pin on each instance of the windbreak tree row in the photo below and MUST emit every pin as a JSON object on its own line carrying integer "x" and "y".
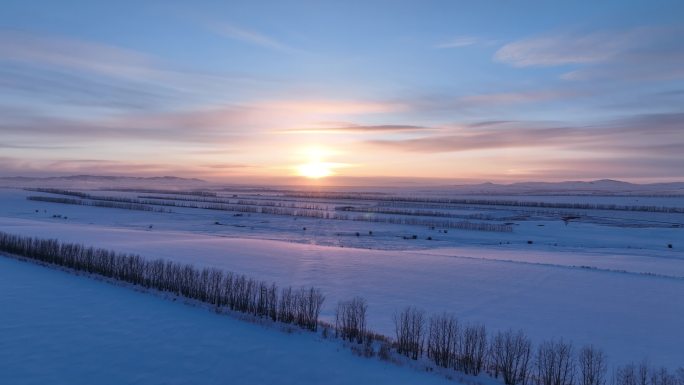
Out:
{"x": 414, "y": 212}
{"x": 511, "y": 356}
{"x": 491, "y": 202}
{"x": 209, "y": 285}
{"x": 149, "y": 191}
{"x": 114, "y": 205}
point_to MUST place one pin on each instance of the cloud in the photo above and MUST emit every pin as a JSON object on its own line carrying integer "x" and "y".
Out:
{"x": 516, "y": 97}
{"x": 461, "y": 41}
{"x": 650, "y": 133}
{"x": 654, "y": 53}
{"x": 617, "y": 167}
{"x": 75, "y": 54}
{"x": 14, "y": 146}
{"x": 332, "y": 107}
{"x": 356, "y": 128}
{"x": 494, "y": 139}
{"x": 228, "y": 166}
{"x": 220, "y": 124}
{"x": 55, "y": 86}
{"x": 562, "y": 49}
{"x": 76, "y": 72}
{"x": 248, "y": 36}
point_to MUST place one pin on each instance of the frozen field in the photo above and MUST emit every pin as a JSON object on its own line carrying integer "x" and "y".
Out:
{"x": 607, "y": 278}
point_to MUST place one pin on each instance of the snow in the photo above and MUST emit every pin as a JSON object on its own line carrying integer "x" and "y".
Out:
{"x": 627, "y": 302}
{"x": 58, "y": 328}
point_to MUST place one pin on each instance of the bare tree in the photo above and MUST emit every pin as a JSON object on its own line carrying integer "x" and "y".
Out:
{"x": 593, "y": 366}
{"x": 286, "y": 311}
{"x": 409, "y": 326}
{"x": 510, "y": 353}
{"x": 308, "y": 304}
{"x": 555, "y": 363}
{"x": 350, "y": 319}
{"x": 663, "y": 377}
{"x": 442, "y": 339}
{"x": 472, "y": 349}
{"x": 642, "y": 373}
{"x": 625, "y": 375}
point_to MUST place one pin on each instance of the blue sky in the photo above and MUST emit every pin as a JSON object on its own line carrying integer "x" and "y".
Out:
{"x": 487, "y": 90}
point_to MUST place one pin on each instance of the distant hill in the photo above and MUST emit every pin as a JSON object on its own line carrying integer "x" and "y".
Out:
{"x": 602, "y": 186}
{"x": 396, "y": 185}
{"x": 101, "y": 181}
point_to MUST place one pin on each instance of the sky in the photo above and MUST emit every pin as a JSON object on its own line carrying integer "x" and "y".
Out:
{"x": 499, "y": 91}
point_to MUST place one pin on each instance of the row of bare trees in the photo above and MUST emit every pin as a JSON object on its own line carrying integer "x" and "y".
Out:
{"x": 646, "y": 374}
{"x": 198, "y": 193}
{"x": 209, "y": 285}
{"x": 511, "y": 355}
{"x": 58, "y": 191}
{"x": 80, "y": 202}
{"x": 484, "y": 202}
{"x": 414, "y": 212}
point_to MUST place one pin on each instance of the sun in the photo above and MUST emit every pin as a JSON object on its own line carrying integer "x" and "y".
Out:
{"x": 315, "y": 170}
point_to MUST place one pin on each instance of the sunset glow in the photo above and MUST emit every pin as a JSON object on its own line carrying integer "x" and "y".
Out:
{"x": 315, "y": 170}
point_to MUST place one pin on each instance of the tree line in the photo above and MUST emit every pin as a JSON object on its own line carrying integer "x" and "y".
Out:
{"x": 115, "y": 205}
{"x": 509, "y": 355}
{"x": 213, "y": 286}
{"x": 489, "y": 202}
{"x": 198, "y": 193}
{"x": 305, "y": 205}
{"x": 149, "y": 191}
{"x": 58, "y": 192}
{"x": 414, "y": 212}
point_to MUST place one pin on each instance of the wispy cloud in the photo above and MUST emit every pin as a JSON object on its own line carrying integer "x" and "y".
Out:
{"x": 517, "y": 97}
{"x": 73, "y": 53}
{"x": 636, "y": 54}
{"x": 357, "y": 128}
{"x": 245, "y": 35}
{"x": 461, "y": 41}
{"x": 215, "y": 124}
{"x": 76, "y": 72}
{"x": 649, "y": 132}
{"x": 616, "y": 167}
{"x": 563, "y": 49}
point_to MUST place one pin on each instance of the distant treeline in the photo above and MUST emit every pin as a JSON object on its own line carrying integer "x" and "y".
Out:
{"x": 59, "y": 192}
{"x": 148, "y": 191}
{"x": 213, "y": 286}
{"x": 306, "y": 205}
{"x": 299, "y": 212}
{"x": 172, "y": 192}
{"x": 420, "y": 213}
{"x": 115, "y": 205}
{"x": 487, "y": 202}
{"x": 441, "y": 338}
{"x": 319, "y": 212}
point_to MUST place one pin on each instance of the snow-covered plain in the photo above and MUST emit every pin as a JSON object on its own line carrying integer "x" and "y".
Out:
{"x": 614, "y": 284}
